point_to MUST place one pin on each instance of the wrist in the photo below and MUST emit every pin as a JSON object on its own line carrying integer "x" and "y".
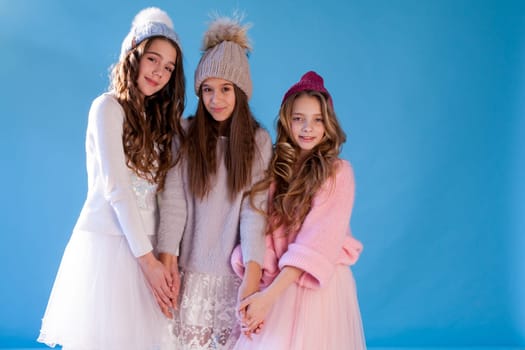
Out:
{"x": 146, "y": 259}
{"x": 167, "y": 258}
{"x": 252, "y": 271}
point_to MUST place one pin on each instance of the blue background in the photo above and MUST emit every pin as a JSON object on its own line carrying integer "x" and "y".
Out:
{"x": 430, "y": 93}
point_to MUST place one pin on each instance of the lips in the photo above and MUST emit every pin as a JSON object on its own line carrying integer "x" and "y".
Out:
{"x": 151, "y": 82}
{"x": 307, "y": 138}
{"x": 217, "y": 110}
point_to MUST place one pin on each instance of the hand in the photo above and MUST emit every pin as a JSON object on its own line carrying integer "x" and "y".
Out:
{"x": 246, "y": 289}
{"x": 253, "y": 311}
{"x": 247, "y": 330}
{"x": 159, "y": 280}
{"x": 171, "y": 263}
{"x": 250, "y": 285}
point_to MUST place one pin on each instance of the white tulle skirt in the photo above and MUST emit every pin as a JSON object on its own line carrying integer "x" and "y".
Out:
{"x": 100, "y": 299}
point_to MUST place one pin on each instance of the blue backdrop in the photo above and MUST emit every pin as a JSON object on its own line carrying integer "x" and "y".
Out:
{"x": 430, "y": 93}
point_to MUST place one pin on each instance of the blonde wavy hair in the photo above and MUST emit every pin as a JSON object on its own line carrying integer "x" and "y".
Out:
{"x": 295, "y": 180}
{"x": 148, "y": 140}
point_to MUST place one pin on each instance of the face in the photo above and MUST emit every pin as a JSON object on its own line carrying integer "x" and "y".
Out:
{"x": 218, "y": 96}
{"x": 156, "y": 66}
{"x": 307, "y": 122}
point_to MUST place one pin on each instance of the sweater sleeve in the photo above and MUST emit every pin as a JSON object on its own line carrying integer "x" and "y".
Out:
{"x": 106, "y": 117}
{"x": 318, "y": 244}
{"x": 173, "y": 211}
{"x": 252, "y": 222}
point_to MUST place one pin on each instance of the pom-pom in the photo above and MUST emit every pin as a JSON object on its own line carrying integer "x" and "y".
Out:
{"x": 226, "y": 29}
{"x": 152, "y": 14}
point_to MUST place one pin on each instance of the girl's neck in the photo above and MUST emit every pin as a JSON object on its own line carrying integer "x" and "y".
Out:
{"x": 224, "y": 128}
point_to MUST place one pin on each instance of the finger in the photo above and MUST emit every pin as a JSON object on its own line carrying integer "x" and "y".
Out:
{"x": 164, "y": 293}
{"x": 253, "y": 324}
{"x": 259, "y": 328}
{"x": 168, "y": 278}
{"x": 160, "y": 301}
{"x": 163, "y": 307}
{"x": 247, "y": 333}
{"x": 167, "y": 313}
{"x": 242, "y": 315}
{"x": 243, "y": 304}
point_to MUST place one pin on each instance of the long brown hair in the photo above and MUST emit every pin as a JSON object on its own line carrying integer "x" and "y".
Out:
{"x": 201, "y": 141}
{"x": 297, "y": 183}
{"x": 150, "y": 123}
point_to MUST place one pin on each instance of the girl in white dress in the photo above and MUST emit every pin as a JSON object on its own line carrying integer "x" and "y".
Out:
{"x": 110, "y": 290}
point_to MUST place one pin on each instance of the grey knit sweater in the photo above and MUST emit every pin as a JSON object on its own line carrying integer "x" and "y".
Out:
{"x": 204, "y": 232}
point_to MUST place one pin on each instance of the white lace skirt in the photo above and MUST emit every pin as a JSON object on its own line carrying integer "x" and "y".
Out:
{"x": 206, "y": 318}
{"x": 100, "y": 299}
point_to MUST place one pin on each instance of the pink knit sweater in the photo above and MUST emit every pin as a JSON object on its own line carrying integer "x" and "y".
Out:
{"x": 324, "y": 240}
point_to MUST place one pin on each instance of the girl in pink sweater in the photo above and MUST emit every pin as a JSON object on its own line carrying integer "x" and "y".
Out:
{"x": 308, "y": 299}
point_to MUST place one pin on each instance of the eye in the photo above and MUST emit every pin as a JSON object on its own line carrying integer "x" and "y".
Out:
{"x": 296, "y": 118}
{"x": 226, "y": 88}
{"x": 206, "y": 89}
{"x": 169, "y": 69}
{"x": 319, "y": 119}
{"x": 152, "y": 59}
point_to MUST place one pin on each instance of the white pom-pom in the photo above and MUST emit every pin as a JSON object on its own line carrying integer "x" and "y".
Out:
{"x": 152, "y": 14}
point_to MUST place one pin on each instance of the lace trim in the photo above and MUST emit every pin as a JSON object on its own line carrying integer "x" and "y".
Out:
{"x": 145, "y": 192}
{"x": 206, "y": 318}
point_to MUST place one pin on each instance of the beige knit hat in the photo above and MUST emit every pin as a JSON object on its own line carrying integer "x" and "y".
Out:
{"x": 225, "y": 54}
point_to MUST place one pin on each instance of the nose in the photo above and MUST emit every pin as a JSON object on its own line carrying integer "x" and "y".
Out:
{"x": 307, "y": 125}
{"x": 157, "y": 72}
{"x": 215, "y": 96}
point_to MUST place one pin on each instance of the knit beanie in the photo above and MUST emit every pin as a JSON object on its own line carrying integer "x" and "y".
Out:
{"x": 149, "y": 22}
{"x": 225, "y": 49}
{"x": 310, "y": 81}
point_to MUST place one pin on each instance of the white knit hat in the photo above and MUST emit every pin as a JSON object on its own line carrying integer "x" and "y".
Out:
{"x": 226, "y": 47}
{"x": 149, "y": 22}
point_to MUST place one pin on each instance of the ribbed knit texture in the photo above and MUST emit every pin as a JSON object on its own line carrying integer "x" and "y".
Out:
{"x": 148, "y": 23}
{"x": 210, "y": 228}
{"x": 310, "y": 81}
{"x": 227, "y": 61}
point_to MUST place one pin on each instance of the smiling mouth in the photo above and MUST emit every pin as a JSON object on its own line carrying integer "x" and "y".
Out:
{"x": 307, "y": 138}
{"x": 151, "y": 82}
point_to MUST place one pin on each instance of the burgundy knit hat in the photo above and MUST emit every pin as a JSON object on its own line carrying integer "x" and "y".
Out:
{"x": 310, "y": 81}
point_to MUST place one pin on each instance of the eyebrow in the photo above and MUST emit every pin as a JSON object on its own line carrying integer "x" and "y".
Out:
{"x": 301, "y": 113}
{"x": 221, "y": 85}
{"x": 158, "y": 55}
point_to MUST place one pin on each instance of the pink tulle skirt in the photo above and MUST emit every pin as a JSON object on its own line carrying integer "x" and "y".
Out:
{"x": 100, "y": 299}
{"x": 313, "y": 319}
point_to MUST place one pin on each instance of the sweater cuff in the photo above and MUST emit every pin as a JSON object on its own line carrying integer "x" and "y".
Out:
{"x": 269, "y": 267}
{"x": 317, "y": 267}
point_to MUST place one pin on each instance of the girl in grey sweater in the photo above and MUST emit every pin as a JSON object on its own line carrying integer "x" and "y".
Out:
{"x": 205, "y": 210}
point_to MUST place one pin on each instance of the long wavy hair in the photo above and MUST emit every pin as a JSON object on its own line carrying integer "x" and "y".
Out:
{"x": 296, "y": 179}
{"x": 150, "y": 123}
{"x": 200, "y": 148}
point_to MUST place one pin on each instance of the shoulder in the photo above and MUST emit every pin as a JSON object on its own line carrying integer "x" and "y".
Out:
{"x": 186, "y": 122}
{"x": 106, "y": 100}
{"x": 263, "y": 138}
{"x": 342, "y": 179}
{"x": 344, "y": 169}
{"x": 104, "y": 105}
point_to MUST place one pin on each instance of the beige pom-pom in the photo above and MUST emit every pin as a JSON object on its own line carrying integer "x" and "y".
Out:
{"x": 226, "y": 29}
